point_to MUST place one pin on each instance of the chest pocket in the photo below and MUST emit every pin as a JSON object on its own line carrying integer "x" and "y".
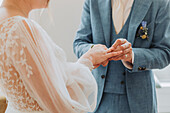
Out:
{"x": 144, "y": 43}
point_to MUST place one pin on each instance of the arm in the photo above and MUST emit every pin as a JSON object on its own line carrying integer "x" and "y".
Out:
{"x": 158, "y": 55}
{"x": 83, "y": 40}
{"x": 57, "y": 86}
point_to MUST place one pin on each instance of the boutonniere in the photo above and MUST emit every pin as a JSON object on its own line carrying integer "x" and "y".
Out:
{"x": 143, "y": 31}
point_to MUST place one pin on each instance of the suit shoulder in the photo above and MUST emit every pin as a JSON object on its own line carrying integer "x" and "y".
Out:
{"x": 161, "y": 1}
{"x": 89, "y": 1}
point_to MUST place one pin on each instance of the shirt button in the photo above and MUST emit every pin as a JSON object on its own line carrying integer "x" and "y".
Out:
{"x": 103, "y": 76}
{"x": 122, "y": 82}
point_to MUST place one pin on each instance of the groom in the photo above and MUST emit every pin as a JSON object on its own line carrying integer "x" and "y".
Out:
{"x": 126, "y": 84}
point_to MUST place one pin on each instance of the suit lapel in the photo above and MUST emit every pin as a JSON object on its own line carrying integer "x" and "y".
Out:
{"x": 139, "y": 11}
{"x": 105, "y": 16}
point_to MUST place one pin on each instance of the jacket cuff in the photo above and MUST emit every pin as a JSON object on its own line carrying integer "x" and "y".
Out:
{"x": 139, "y": 61}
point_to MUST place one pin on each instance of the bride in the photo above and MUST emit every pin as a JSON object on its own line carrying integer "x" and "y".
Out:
{"x": 34, "y": 74}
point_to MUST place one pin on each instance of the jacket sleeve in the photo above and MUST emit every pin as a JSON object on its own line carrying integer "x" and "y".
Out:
{"x": 83, "y": 40}
{"x": 158, "y": 55}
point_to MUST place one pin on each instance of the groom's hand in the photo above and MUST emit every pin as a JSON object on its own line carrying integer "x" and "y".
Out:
{"x": 99, "y": 55}
{"x": 124, "y": 46}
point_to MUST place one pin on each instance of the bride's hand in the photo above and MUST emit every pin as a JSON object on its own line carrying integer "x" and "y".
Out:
{"x": 99, "y": 54}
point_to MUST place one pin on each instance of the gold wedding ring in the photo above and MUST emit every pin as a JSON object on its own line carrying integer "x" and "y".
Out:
{"x": 92, "y": 46}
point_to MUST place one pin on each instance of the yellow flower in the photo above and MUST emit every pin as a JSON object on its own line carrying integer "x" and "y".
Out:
{"x": 144, "y": 37}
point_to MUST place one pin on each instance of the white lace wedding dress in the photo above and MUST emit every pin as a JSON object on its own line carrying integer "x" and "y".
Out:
{"x": 34, "y": 74}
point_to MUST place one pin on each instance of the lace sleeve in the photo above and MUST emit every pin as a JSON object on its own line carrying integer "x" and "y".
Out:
{"x": 57, "y": 86}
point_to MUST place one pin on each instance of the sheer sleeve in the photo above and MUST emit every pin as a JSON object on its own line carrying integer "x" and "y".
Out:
{"x": 57, "y": 86}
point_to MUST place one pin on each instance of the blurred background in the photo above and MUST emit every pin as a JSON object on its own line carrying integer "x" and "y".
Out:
{"x": 66, "y": 16}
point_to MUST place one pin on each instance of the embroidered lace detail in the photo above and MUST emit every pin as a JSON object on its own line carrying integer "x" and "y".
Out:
{"x": 11, "y": 83}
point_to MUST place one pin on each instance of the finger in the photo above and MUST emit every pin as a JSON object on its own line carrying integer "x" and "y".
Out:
{"x": 125, "y": 46}
{"x": 100, "y": 46}
{"x": 123, "y": 57}
{"x": 127, "y": 56}
{"x": 123, "y": 53}
{"x": 116, "y": 58}
{"x": 105, "y": 63}
{"x": 119, "y": 42}
{"x": 112, "y": 54}
{"x": 118, "y": 48}
{"x": 115, "y": 46}
{"x": 110, "y": 49}
{"x": 96, "y": 66}
{"x": 127, "y": 51}
{"x": 105, "y": 47}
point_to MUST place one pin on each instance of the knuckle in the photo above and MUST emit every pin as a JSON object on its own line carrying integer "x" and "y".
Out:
{"x": 119, "y": 40}
{"x": 130, "y": 44}
{"x": 124, "y": 40}
{"x": 114, "y": 54}
{"x": 124, "y": 51}
{"x": 104, "y": 52}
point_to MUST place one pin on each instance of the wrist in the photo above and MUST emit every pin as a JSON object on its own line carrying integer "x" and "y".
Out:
{"x": 85, "y": 61}
{"x": 132, "y": 58}
{"x": 130, "y": 61}
{"x": 88, "y": 56}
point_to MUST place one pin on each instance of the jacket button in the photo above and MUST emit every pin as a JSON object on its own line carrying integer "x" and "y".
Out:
{"x": 144, "y": 68}
{"x": 102, "y": 76}
{"x": 122, "y": 82}
{"x": 140, "y": 68}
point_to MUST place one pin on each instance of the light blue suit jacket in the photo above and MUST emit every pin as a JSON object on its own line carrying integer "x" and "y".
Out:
{"x": 149, "y": 54}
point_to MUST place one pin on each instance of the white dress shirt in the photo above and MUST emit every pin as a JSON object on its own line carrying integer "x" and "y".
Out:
{"x": 120, "y": 12}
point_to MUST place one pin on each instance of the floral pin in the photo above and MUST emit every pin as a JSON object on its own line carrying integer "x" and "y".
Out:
{"x": 143, "y": 31}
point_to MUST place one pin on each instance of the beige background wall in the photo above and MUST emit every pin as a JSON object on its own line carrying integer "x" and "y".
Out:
{"x": 66, "y": 15}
